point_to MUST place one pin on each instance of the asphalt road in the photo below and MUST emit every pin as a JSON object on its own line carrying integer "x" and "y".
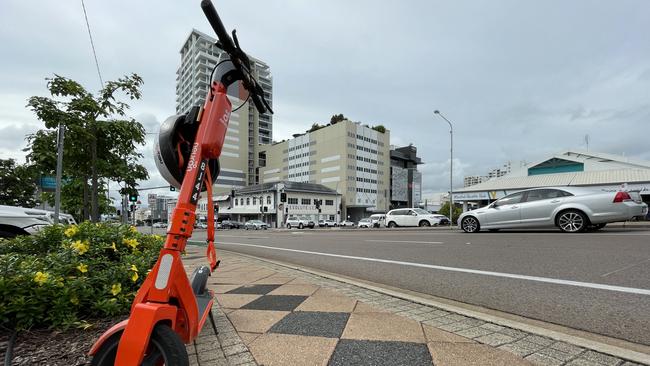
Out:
{"x": 596, "y": 282}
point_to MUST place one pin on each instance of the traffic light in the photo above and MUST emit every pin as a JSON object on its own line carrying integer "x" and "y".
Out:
{"x": 133, "y": 207}
{"x": 216, "y": 208}
{"x": 283, "y": 197}
{"x": 172, "y": 189}
{"x": 133, "y": 197}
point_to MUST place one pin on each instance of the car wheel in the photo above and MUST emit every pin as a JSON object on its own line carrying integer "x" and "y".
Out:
{"x": 392, "y": 224}
{"x": 424, "y": 223}
{"x": 470, "y": 224}
{"x": 288, "y": 226}
{"x": 572, "y": 221}
{"x": 300, "y": 226}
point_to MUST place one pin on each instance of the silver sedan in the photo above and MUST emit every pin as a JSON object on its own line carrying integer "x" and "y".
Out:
{"x": 572, "y": 209}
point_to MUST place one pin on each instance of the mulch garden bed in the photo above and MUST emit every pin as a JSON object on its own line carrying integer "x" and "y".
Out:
{"x": 53, "y": 348}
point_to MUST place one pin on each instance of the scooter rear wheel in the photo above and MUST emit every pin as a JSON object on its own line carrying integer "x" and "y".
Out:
{"x": 165, "y": 348}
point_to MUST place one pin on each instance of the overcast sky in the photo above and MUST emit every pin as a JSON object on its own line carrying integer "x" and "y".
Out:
{"x": 519, "y": 79}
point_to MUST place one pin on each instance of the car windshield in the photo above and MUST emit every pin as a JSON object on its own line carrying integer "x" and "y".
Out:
{"x": 421, "y": 211}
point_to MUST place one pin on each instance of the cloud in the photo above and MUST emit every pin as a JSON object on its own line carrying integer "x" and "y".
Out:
{"x": 519, "y": 80}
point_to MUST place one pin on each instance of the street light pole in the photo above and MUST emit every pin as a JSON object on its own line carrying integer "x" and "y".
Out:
{"x": 451, "y": 168}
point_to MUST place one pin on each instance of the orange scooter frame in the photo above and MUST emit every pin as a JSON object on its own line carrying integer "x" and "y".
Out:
{"x": 166, "y": 296}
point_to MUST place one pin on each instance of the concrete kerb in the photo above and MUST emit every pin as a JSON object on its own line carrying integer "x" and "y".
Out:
{"x": 597, "y": 346}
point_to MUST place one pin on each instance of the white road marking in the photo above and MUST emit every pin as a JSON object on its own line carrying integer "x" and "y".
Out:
{"x": 629, "y": 290}
{"x": 624, "y": 268}
{"x": 404, "y": 241}
{"x": 217, "y": 235}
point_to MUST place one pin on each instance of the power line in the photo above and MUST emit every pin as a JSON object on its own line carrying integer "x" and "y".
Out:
{"x": 92, "y": 44}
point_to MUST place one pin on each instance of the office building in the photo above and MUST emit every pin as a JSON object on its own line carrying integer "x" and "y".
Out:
{"x": 247, "y": 130}
{"x": 405, "y": 180}
{"x": 348, "y": 157}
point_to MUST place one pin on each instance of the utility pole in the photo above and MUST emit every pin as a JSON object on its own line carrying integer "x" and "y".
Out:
{"x": 59, "y": 172}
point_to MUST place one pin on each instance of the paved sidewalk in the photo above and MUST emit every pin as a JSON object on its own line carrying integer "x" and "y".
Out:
{"x": 273, "y": 315}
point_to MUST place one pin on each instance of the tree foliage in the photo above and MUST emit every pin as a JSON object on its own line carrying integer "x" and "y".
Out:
{"x": 17, "y": 184}
{"x": 379, "y": 128}
{"x": 337, "y": 118}
{"x": 100, "y": 141}
{"x": 315, "y": 126}
{"x": 444, "y": 210}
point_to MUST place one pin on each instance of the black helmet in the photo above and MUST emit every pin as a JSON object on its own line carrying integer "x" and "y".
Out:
{"x": 174, "y": 145}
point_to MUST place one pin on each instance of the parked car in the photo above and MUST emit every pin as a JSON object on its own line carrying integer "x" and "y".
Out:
{"x": 299, "y": 222}
{"x": 201, "y": 225}
{"x": 159, "y": 225}
{"x": 444, "y": 220}
{"x": 23, "y": 221}
{"x": 255, "y": 225}
{"x": 327, "y": 223}
{"x": 378, "y": 220}
{"x": 571, "y": 209}
{"x": 366, "y": 222}
{"x": 345, "y": 223}
{"x": 230, "y": 224}
{"x": 411, "y": 217}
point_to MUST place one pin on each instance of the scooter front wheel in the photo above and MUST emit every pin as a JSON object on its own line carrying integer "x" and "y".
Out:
{"x": 165, "y": 348}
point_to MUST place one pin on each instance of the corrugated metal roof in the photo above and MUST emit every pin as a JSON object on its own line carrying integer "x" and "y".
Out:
{"x": 564, "y": 179}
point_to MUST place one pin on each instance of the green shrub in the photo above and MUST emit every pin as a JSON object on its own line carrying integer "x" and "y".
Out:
{"x": 64, "y": 275}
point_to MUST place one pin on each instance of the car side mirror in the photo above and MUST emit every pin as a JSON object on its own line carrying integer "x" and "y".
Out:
{"x": 414, "y": 213}
{"x": 494, "y": 205}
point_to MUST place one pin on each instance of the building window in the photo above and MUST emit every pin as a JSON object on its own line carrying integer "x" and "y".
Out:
{"x": 248, "y": 201}
{"x": 254, "y": 200}
{"x": 306, "y": 201}
{"x": 329, "y": 202}
{"x": 292, "y": 201}
{"x": 268, "y": 200}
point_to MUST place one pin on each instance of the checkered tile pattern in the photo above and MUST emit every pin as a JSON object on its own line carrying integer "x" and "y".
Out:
{"x": 272, "y": 315}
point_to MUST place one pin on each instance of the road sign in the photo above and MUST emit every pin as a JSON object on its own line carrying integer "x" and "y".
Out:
{"x": 151, "y": 199}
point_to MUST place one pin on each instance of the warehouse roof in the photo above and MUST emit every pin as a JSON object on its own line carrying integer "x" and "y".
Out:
{"x": 596, "y": 177}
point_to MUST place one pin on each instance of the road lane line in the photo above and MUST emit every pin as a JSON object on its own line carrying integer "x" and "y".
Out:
{"x": 624, "y": 268}
{"x": 629, "y": 290}
{"x": 403, "y": 241}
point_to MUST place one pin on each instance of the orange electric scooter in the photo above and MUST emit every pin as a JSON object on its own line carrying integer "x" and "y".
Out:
{"x": 170, "y": 310}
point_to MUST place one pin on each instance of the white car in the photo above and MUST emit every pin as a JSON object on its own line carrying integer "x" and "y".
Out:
{"x": 160, "y": 225}
{"x": 411, "y": 217}
{"x": 327, "y": 223}
{"x": 23, "y": 221}
{"x": 299, "y": 222}
{"x": 571, "y": 209}
{"x": 367, "y": 223}
{"x": 346, "y": 223}
{"x": 378, "y": 220}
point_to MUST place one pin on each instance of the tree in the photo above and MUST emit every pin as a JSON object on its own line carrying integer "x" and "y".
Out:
{"x": 379, "y": 128}
{"x": 17, "y": 184}
{"x": 100, "y": 141}
{"x": 337, "y": 118}
{"x": 315, "y": 127}
{"x": 444, "y": 210}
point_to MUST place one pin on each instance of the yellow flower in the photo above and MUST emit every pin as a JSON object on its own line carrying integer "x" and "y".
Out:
{"x": 133, "y": 243}
{"x": 113, "y": 247}
{"x": 134, "y": 277}
{"x": 134, "y": 268}
{"x": 116, "y": 289}
{"x": 80, "y": 247}
{"x": 71, "y": 231}
{"x": 133, "y": 229}
{"x": 41, "y": 278}
{"x": 74, "y": 299}
{"x": 82, "y": 268}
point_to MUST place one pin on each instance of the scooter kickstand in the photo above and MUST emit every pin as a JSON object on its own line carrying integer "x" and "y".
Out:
{"x": 214, "y": 326}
